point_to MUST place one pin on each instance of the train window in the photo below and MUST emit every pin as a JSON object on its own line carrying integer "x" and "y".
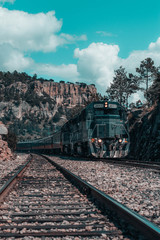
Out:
{"x": 111, "y": 111}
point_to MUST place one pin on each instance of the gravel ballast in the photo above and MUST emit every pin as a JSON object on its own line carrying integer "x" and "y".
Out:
{"x": 138, "y": 189}
{"x": 9, "y": 166}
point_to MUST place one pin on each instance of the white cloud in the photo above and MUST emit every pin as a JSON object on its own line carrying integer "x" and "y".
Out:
{"x": 96, "y": 63}
{"x": 134, "y": 59}
{"x": 4, "y": 1}
{"x": 21, "y": 32}
{"x": 67, "y": 72}
{"x": 33, "y": 32}
{"x": 73, "y": 38}
{"x": 106, "y": 34}
{"x": 12, "y": 59}
{"x": 155, "y": 46}
{"x": 136, "y": 96}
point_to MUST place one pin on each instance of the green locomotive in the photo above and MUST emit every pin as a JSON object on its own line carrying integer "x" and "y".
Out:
{"x": 100, "y": 131}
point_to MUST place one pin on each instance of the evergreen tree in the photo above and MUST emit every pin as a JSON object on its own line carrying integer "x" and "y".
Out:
{"x": 122, "y": 86}
{"x": 147, "y": 71}
{"x": 153, "y": 93}
{"x": 116, "y": 90}
{"x": 132, "y": 86}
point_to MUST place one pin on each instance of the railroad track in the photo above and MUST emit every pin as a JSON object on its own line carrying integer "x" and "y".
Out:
{"x": 45, "y": 204}
{"x": 8, "y": 181}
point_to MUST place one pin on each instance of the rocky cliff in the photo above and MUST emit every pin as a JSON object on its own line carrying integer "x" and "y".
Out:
{"x": 5, "y": 151}
{"x": 145, "y": 133}
{"x": 32, "y": 107}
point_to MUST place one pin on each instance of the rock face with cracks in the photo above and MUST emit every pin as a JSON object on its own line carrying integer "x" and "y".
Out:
{"x": 5, "y": 151}
{"x": 34, "y": 108}
{"x": 145, "y": 133}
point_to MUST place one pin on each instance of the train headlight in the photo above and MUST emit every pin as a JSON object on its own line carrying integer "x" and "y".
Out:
{"x": 99, "y": 140}
{"x": 106, "y": 104}
{"x": 120, "y": 140}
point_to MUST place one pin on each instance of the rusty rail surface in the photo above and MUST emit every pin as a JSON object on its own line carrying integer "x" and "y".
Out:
{"x": 13, "y": 180}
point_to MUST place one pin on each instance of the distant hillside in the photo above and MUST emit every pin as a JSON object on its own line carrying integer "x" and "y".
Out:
{"x": 32, "y": 107}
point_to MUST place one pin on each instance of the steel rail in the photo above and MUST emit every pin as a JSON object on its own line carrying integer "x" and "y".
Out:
{"x": 145, "y": 227}
{"x": 59, "y": 234}
{"x": 12, "y": 181}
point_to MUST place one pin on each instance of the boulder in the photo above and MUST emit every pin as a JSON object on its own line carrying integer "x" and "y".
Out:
{"x": 5, "y": 151}
{"x": 3, "y": 129}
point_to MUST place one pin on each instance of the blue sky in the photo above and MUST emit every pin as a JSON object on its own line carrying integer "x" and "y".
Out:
{"x": 78, "y": 40}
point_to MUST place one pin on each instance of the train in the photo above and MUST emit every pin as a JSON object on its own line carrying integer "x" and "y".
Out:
{"x": 100, "y": 130}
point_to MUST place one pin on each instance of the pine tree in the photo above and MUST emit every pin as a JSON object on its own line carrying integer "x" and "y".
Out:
{"x": 122, "y": 86}
{"x": 153, "y": 93}
{"x": 147, "y": 71}
{"x": 132, "y": 86}
{"x": 116, "y": 90}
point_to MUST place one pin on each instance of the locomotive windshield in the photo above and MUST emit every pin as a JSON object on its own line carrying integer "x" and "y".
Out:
{"x": 106, "y": 111}
{"x": 111, "y": 111}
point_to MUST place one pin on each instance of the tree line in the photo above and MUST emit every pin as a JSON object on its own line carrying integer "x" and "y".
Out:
{"x": 124, "y": 85}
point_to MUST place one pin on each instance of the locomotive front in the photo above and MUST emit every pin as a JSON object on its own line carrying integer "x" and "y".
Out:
{"x": 108, "y": 130}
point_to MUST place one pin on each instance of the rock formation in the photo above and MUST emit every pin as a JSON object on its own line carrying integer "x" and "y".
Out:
{"x": 3, "y": 129}
{"x": 145, "y": 133}
{"x": 32, "y": 107}
{"x": 5, "y": 151}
